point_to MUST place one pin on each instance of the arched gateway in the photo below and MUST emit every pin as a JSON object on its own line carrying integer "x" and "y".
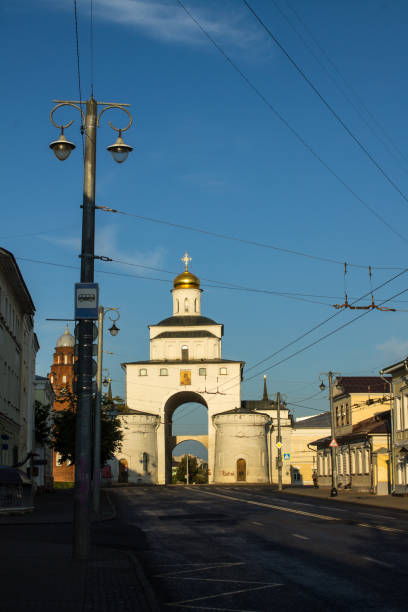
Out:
{"x": 186, "y": 365}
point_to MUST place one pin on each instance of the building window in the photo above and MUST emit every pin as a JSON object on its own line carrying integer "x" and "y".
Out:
{"x": 223, "y": 371}
{"x": 398, "y": 414}
{"x": 177, "y": 306}
{"x": 202, "y": 371}
{"x": 185, "y": 304}
{"x": 64, "y": 379}
{"x": 184, "y": 353}
{"x": 338, "y": 416}
{"x": 142, "y": 372}
{"x": 348, "y": 415}
{"x": 164, "y": 372}
{"x": 145, "y": 462}
{"x": 404, "y": 419}
{"x": 65, "y": 359}
{"x": 195, "y": 305}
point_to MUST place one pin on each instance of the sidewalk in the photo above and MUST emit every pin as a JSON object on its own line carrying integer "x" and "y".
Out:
{"x": 348, "y": 495}
{"x": 37, "y": 572}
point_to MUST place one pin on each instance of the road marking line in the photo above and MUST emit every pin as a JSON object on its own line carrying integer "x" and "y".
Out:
{"x": 333, "y": 508}
{"x": 301, "y": 537}
{"x": 208, "y": 608}
{"x": 378, "y": 561}
{"x": 382, "y": 528}
{"x": 256, "y": 523}
{"x": 200, "y": 569}
{"x": 220, "y": 580}
{"x": 225, "y": 594}
{"x": 263, "y": 505}
{"x": 391, "y": 518}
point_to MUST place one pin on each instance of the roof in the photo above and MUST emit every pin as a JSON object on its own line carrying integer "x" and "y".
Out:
{"x": 319, "y": 420}
{"x": 200, "y": 333}
{"x": 377, "y": 424}
{"x": 240, "y": 410}
{"x": 363, "y": 384}
{"x": 131, "y": 411}
{"x": 9, "y": 264}
{"x": 186, "y": 320}
{"x": 180, "y": 362}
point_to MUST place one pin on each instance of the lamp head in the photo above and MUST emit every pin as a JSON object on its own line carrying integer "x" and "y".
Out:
{"x": 114, "y": 330}
{"x": 105, "y": 382}
{"x": 322, "y": 386}
{"x": 119, "y": 150}
{"x": 62, "y": 147}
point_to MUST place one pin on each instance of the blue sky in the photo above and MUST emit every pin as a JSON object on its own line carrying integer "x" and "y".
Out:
{"x": 209, "y": 153}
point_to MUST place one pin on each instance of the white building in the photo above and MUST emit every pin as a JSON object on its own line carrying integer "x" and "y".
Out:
{"x": 186, "y": 365}
{"x": 18, "y": 349}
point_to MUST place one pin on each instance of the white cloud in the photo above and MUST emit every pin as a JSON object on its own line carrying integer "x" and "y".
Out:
{"x": 106, "y": 244}
{"x": 167, "y": 21}
{"x": 395, "y": 348}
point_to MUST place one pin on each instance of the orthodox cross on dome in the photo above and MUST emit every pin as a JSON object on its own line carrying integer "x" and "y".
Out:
{"x": 186, "y": 259}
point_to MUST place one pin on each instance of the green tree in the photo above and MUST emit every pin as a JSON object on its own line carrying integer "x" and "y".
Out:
{"x": 182, "y": 469}
{"x": 64, "y": 430}
{"x": 42, "y": 423}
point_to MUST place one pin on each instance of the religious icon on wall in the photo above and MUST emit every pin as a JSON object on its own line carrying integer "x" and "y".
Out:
{"x": 185, "y": 377}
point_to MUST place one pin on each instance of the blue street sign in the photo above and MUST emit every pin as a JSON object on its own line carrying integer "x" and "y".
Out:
{"x": 286, "y": 456}
{"x": 86, "y": 300}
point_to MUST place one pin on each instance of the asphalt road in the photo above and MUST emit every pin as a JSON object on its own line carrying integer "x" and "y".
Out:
{"x": 254, "y": 549}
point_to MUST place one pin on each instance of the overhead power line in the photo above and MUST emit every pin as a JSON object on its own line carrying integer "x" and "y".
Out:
{"x": 314, "y": 328}
{"x": 255, "y": 243}
{"x": 346, "y": 83}
{"x": 326, "y": 103}
{"x": 78, "y": 69}
{"x": 289, "y": 127}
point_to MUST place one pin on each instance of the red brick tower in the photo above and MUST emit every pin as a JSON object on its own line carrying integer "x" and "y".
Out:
{"x": 61, "y": 378}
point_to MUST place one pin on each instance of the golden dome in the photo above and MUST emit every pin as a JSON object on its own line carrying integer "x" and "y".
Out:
{"x": 186, "y": 280}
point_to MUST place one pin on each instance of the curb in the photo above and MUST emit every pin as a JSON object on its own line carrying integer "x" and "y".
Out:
{"x": 362, "y": 502}
{"x": 147, "y": 590}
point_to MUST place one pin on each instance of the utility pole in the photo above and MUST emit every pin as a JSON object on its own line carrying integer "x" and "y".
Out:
{"x": 333, "y": 445}
{"x": 81, "y": 535}
{"x": 279, "y": 441}
{"x": 62, "y": 149}
{"x": 96, "y": 481}
{"x": 187, "y": 474}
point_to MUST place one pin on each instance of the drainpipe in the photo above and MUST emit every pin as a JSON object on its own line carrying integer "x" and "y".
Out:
{"x": 371, "y": 465}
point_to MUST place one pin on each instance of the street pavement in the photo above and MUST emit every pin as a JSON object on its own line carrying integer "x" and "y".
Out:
{"x": 38, "y": 573}
{"x": 251, "y": 548}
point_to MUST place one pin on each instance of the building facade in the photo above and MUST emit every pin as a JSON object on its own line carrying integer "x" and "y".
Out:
{"x": 18, "y": 349}
{"x": 187, "y": 365}
{"x": 361, "y": 406}
{"x": 43, "y": 476}
{"x": 62, "y": 378}
{"x": 399, "y": 424}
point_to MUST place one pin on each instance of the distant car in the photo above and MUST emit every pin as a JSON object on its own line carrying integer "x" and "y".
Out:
{"x": 86, "y": 297}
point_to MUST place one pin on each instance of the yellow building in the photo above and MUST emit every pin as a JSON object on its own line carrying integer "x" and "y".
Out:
{"x": 302, "y": 458}
{"x": 399, "y": 385}
{"x": 361, "y": 408}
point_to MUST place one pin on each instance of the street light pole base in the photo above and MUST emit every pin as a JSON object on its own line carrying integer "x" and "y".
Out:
{"x": 333, "y": 492}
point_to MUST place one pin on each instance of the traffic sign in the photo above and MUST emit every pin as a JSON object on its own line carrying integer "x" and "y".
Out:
{"x": 86, "y": 300}
{"x": 286, "y": 456}
{"x": 333, "y": 442}
{"x": 279, "y": 444}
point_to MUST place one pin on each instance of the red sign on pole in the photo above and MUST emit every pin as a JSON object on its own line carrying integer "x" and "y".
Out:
{"x": 333, "y": 442}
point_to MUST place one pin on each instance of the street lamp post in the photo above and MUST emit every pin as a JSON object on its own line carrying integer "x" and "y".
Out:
{"x": 322, "y": 386}
{"x": 98, "y": 400}
{"x": 62, "y": 149}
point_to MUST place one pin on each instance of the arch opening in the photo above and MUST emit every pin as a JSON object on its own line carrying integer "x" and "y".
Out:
{"x": 186, "y": 424}
{"x": 197, "y": 455}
